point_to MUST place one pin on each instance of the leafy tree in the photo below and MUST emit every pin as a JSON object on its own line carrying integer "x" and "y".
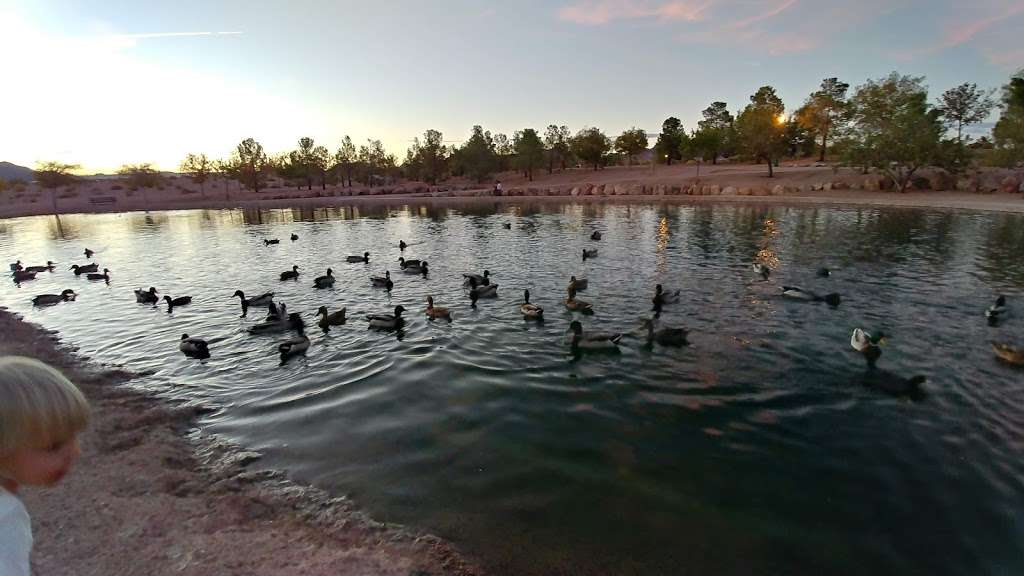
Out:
{"x": 895, "y": 129}
{"x": 760, "y": 127}
{"x": 140, "y": 175}
{"x": 591, "y": 145}
{"x": 303, "y": 161}
{"x": 227, "y": 171}
{"x": 667, "y": 148}
{"x": 714, "y": 132}
{"x": 529, "y": 151}
{"x": 825, "y": 111}
{"x": 53, "y": 175}
{"x": 504, "y": 149}
{"x": 289, "y": 168}
{"x": 631, "y": 143}
{"x": 477, "y": 156}
{"x": 199, "y": 168}
{"x": 557, "y": 140}
{"x": 963, "y": 106}
{"x": 428, "y": 160}
{"x": 373, "y": 160}
{"x": 345, "y": 159}
{"x": 1008, "y": 133}
{"x": 800, "y": 141}
{"x": 249, "y": 164}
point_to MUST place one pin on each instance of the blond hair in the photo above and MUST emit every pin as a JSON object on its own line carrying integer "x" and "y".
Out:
{"x": 39, "y": 407}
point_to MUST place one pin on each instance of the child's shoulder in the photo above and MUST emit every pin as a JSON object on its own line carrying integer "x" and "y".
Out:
{"x": 10, "y": 506}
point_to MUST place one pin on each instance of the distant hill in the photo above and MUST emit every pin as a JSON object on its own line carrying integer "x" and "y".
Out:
{"x": 10, "y": 171}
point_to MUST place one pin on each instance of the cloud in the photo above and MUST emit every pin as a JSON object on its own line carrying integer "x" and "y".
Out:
{"x": 598, "y": 12}
{"x": 988, "y": 25}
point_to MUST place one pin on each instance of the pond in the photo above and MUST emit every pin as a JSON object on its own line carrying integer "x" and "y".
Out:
{"x": 764, "y": 446}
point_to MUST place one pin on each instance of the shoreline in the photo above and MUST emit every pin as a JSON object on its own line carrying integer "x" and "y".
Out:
{"x": 153, "y": 494}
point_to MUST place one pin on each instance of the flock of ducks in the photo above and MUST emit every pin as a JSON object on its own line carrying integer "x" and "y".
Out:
{"x": 479, "y": 286}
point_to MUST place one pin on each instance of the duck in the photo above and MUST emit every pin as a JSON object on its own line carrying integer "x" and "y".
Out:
{"x": 1010, "y": 354}
{"x": 272, "y": 324}
{"x": 298, "y": 344}
{"x": 66, "y": 295}
{"x": 22, "y": 275}
{"x": 105, "y": 276}
{"x": 578, "y": 284}
{"x": 867, "y": 344}
{"x": 79, "y": 270}
{"x": 294, "y": 236}
{"x": 179, "y": 301}
{"x": 824, "y": 272}
{"x": 383, "y": 281}
{"x": 387, "y": 321}
{"x": 433, "y": 312}
{"x": 324, "y": 281}
{"x": 507, "y": 225}
{"x": 579, "y": 341}
{"x": 88, "y": 253}
{"x": 271, "y": 241}
{"x": 292, "y": 274}
{"x": 260, "y": 300}
{"x": 596, "y": 235}
{"x": 763, "y": 270}
{"x": 481, "y": 279}
{"x": 894, "y": 384}
{"x": 488, "y": 291}
{"x": 797, "y": 293}
{"x": 402, "y": 262}
{"x": 146, "y": 296}
{"x": 665, "y": 336}
{"x": 996, "y": 311}
{"x": 402, "y": 245}
{"x": 589, "y": 253}
{"x": 663, "y": 297}
{"x": 356, "y": 259}
{"x": 15, "y": 266}
{"x": 330, "y": 319}
{"x": 47, "y": 268}
{"x": 194, "y": 347}
{"x": 575, "y": 305}
{"x": 530, "y": 311}
{"x": 273, "y": 312}
{"x": 419, "y": 269}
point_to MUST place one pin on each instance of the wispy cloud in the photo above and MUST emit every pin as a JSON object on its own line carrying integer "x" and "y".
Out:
{"x": 598, "y": 12}
{"x": 984, "y": 24}
{"x": 747, "y": 22}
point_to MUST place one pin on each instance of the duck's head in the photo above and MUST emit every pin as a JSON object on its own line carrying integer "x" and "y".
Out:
{"x": 106, "y": 271}
{"x": 401, "y": 259}
{"x": 526, "y": 296}
{"x": 824, "y": 272}
{"x": 238, "y": 293}
{"x": 73, "y": 266}
{"x": 330, "y": 272}
{"x": 295, "y": 268}
{"x": 430, "y": 301}
{"x": 168, "y": 299}
{"x": 576, "y": 328}
{"x": 50, "y": 264}
{"x": 387, "y": 274}
{"x": 67, "y": 292}
{"x": 366, "y": 254}
{"x": 658, "y": 289}
{"x": 321, "y": 310}
{"x": 398, "y": 310}
{"x": 1001, "y": 301}
{"x": 832, "y": 299}
{"x": 572, "y": 279}
{"x": 916, "y": 381}
{"x": 152, "y": 290}
{"x": 487, "y": 273}
{"x": 296, "y": 321}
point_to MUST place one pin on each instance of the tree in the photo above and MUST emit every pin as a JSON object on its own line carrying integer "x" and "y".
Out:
{"x": 345, "y": 159}
{"x": 760, "y": 127}
{"x": 895, "y": 129}
{"x": 631, "y": 143}
{"x": 373, "y": 160}
{"x": 427, "y": 160}
{"x": 1008, "y": 133}
{"x": 249, "y": 164}
{"x": 288, "y": 167}
{"x": 556, "y": 140}
{"x": 825, "y": 111}
{"x": 53, "y": 175}
{"x": 140, "y": 175}
{"x": 714, "y": 132}
{"x": 963, "y": 106}
{"x": 303, "y": 161}
{"x": 591, "y": 145}
{"x": 529, "y": 151}
{"x": 667, "y": 148}
{"x": 227, "y": 171}
{"x": 504, "y": 149}
{"x": 477, "y": 156}
{"x": 199, "y": 168}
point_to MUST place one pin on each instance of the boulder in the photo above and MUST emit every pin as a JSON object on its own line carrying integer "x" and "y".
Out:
{"x": 1010, "y": 185}
{"x": 575, "y": 191}
{"x": 745, "y": 191}
{"x": 778, "y": 190}
{"x": 941, "y": 180}
{"x": 621, "y": 190}
{"x": 636, "y": 190}
{"x": 760, "y": 191}
{"x": 692, "y": 190}
{"x": 729, "y": 191}
{"x": 840, "y": 186}
{"x": 714, "y": 190}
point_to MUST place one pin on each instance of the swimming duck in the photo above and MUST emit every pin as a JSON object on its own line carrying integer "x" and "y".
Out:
{"x": 596, "y": 235}
{"x": 797, "y": 293}
{"x": 402, "y": 245}
{"x": 418, "y": 269}
{"x": 589, "y": 253}
{"x": 387, "y": 321}
{"x": 402, "y": 262}
{"x": 481, "y": 279}
{"x": 272, "y": 324}
{"x": 578, "y": 284}
{"x": 579, "y": 341}
{"x": 194, "y": 347}
{"x": 996, "y": 311}
{"x": 324, "y": 281}
{"x": 294, "y": 236}
{"x": 763, "y": 270}
{"x": 867, "y": 344}
{"x": 88, "y": 253}
{"x": 15, "y": 266}
{"x": 1008, "y": 353}
{"x": 79, "y": 270}
{"x": 433, "y": 312}
{"x": 662, "y": 297}
{"x": 575, "y": 305}
{"x": 47, "y": 268}
{"x": 488, "y": 291}
{"x": 105, "y": 276}
{"x": 260, "y": 300}
{"x": 355, "y": 259}
{"x": 298, "y": 344}
{"x": 271, "y": 241}
{"x": 530, "y": 311}
{"x": 665, "y": 336}
{"x": 894, "y": 384}
{"x": 292, "y": 274}
{"x": 381, "y": 281}
{"x": 507, "y": 225}
{"x": 824, "y": 272}
{"x": 146, "y": 296}
{"x": 179, "y": 301}
{"x": 331, "y": 319}
{"x": 66, "y": 295}
{"x": 22, "y": 275}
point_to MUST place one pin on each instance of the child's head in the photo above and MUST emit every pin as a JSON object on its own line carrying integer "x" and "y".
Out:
{"x": 41, "y": 413}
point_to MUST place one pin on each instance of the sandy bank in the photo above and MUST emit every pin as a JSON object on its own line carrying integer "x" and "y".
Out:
{"x": 152, "y": 496}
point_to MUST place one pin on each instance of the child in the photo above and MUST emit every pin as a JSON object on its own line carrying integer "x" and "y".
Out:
{"x": 41, "y": 412}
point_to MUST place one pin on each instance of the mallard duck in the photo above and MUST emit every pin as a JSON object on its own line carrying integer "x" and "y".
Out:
{"x": 894, "y": 384}
{"x": 997, "y": 311}
{"x": 577, "y": 340}
{"x": 331, "y": 319}
{"x": 763, "y": 270}
{"x": 382, "y": 281}
{"x": 530, "y": 311}
{"x": 402, "y": 262}
{"x": 22, "y": 276}
{"x": 79, "y": 270}
{"x": 578, "y": 284}
{"x": 488, "y": 291}
{"x": 88, "y": 253}
{"x": 271, "y": 241}
{"x": 16, "y": 266}
{"x": 292, "y": 274}
{"x": 596, "y": 235}
{"x": 66, "y": 295}
{"x": 194, "y": 347}
{"x": 261, "y": 300}
{"x": 797, "y": 293}
{"x": 280, "y": 323}
{"x": 867, "y": 344}
{"x": 589, "y": 253}
{"x": 294, "y": 236}
{"x": 298, "y": 344}
{"x": 661, "y": 296}
{"x": 47, "y": 268}
{"x": 149, "y": 296}
{"x": 387, "y": 321}
{"x": 105, "y": 276}
{"x": 324, "y": 281}
{"x": 575, "y": 305}
{"x": 665, "y": 336}
{"x": 179, "y": 301}
{"x": 1008, "y": 353}
{"x": 824, "y": 272}
{"x": 356, "y": 259}
{"x": 481, "y": 279}
{"x": 421, "y": 268}
{"x": 507, "y": 225}
{"x": 402, "y": 245}
{"x": 433, "y": 312}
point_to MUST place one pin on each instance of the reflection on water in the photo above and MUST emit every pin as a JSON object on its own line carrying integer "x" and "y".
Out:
{"x": 759, "y": 448}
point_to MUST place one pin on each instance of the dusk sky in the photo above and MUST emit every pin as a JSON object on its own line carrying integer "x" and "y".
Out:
{"x": 102, "y": 83}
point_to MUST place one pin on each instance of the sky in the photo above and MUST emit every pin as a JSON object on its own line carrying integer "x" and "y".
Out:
{"x": 105, "y": 83}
